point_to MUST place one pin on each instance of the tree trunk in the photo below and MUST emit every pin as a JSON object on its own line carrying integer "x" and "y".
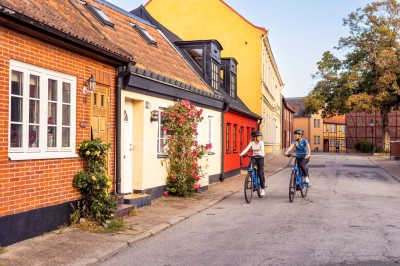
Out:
{"x": 385, "y": 129}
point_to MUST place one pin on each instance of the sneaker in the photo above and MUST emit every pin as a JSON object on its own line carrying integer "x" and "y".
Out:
{"x": 262, "y": 192}
{"x": 306, "y": 179}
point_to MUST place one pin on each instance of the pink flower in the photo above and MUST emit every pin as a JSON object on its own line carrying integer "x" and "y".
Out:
{"x": 173, "y": 177}
{"x": 165, "y": 193}
{"x": 196, "y": 186}
{"x": 192, "y": 172}
{"x": 199, "y": 112}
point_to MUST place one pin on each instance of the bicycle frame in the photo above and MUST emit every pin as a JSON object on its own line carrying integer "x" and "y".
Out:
{"x": 253, "y": 170}
{"x": 299, "y": 180}
{"x": 252, "y": 182}
{"x": 300, "y": 184}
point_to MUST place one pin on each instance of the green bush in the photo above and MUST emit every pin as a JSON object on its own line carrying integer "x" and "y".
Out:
{"x": 93, "y": 182}
{"x": 364, "y": 146}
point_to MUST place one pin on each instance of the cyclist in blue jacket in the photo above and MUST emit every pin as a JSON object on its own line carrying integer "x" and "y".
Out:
{"x": 303, "y": 152}
{"x": 257, "y": 146}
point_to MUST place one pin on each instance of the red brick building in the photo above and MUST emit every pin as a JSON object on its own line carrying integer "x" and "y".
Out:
{"x": 45, "y": 111}
{"x": 287, "y": 123}
{"x": 363, "y": 126}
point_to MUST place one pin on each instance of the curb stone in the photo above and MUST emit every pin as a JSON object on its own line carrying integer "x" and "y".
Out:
{"x": 138, "y": 238}
{"x": 158, "y": 228}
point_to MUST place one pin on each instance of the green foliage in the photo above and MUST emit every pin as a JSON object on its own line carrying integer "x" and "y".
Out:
{"x": 93, "y": 182}
{"x": 364, "y": 146}
{"x": 75, "y": 215}
{"x": 182, "y": 148}
{"x": 368, "y": 78}
{"x": 2, "y": 250}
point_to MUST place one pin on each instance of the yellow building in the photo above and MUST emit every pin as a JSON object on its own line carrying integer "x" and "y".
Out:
{"x": 259, "y": 83}
{"x": 312, "y": 124}
{"x": 335, "y": 134}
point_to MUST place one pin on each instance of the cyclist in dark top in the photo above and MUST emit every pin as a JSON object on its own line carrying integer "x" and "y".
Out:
{"x": 303, "y": 152}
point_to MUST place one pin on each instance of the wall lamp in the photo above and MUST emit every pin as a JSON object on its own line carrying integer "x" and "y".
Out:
{"x": 154, "y": 115}
{"x": 89, "y": 86}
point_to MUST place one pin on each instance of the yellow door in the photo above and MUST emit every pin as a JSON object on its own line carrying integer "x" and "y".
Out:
{"x": 100, "y": 111}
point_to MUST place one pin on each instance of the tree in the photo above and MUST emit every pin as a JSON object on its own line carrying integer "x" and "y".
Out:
{"x": 368, "y": 78}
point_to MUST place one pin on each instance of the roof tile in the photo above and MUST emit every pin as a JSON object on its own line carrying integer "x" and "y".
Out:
{"x": 72, "y": 18}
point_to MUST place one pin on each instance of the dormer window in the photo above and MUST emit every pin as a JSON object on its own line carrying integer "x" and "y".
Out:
{"x": 197, "y": 55}
{"x": 144, "y": 33}
{"x": 230, "y": 76}
{"x": 233, "y": 86}
{"x": 205, "y": 58}
{"x": 99, "y": 15}
{"x": 215, "y": 75}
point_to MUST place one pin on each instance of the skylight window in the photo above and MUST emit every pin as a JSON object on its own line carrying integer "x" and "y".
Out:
{"x": 144, "y": 33}
{"x": 99, "y": 14}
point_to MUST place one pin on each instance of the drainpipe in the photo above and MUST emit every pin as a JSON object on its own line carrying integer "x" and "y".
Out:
{"x": 224, "y": 111}
{"x": 118, "y": 137}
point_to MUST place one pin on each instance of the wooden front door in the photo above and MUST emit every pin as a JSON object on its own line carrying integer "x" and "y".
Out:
{"x": 100, "y": 111}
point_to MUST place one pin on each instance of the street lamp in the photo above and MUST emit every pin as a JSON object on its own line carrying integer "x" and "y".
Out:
{"x": 372, "y": 123}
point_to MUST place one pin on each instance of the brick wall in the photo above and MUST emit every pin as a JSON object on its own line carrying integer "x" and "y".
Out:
{"x": 32, "y": 184}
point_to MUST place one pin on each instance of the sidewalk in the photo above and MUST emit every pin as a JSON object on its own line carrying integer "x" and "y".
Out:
{"x": 70, "y": 246}
{"x": 391, "y": 166}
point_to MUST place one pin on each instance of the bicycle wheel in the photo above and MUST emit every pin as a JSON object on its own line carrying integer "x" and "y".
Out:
{"x": 292, "y": 186}
{"x": 248, "y": 188}
{"x": 259, "y": 188}
{"x": 304, "y": 189}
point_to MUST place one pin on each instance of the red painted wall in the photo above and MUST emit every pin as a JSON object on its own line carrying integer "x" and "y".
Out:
{"x": 244, "y": 126}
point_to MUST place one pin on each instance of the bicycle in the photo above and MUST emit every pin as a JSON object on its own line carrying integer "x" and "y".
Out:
{"x": 252, "y": 181}
{"x": 296, "y": 181}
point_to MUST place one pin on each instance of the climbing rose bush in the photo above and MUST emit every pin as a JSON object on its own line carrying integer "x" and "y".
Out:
{"x": 183, "y": 170}
{"x": 93, "y": 182}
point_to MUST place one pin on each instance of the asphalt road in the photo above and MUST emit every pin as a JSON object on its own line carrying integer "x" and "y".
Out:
{"x": 350, "y": 216}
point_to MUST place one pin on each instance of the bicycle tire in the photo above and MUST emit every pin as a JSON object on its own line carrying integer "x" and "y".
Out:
{"x": 292, "y": 186}
{"x": 304, "y": 190}
{"x": 248, "y": 188}
{"x": 259, "y": 189}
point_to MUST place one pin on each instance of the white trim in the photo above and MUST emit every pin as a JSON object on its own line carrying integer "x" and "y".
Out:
{"x": 42, "y": 151}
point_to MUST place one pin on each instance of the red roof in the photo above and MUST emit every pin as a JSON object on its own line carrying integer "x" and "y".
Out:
{"x": 338, "y": 119}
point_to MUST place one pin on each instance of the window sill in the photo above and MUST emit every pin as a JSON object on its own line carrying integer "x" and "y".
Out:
{"x": 161, "y": 156}
{"x": 210, "y": 153}
{"x": 228, "y": 152}
{"x": 23, "y": 156}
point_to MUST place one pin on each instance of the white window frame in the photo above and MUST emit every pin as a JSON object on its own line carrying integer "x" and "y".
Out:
{"x": 211, "y": 134}
{"x": 42, "y": 151}
{"x": 161, "y": 134}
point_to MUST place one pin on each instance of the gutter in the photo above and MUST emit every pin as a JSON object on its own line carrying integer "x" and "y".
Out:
{"x": 118, "y": 138}
{"x": 224, "y": 111}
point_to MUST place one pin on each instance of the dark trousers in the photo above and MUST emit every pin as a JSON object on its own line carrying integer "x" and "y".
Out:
{"x": 260, "y": 170}
{"x": 302, "y": 162}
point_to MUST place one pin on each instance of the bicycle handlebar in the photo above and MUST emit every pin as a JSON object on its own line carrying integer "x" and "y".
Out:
{"x": 251, "y": 156}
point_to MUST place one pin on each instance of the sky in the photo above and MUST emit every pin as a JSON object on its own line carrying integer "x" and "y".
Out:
{"x": 300, "y": 31}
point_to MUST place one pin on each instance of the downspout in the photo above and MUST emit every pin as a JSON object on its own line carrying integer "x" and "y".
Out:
{"x": 224, "y": 111}
{"x": 118, "y": 137}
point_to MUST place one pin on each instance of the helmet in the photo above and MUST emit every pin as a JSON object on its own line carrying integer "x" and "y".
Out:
{"x": 299, "y": 131}
{"x": 255, "y": 134}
